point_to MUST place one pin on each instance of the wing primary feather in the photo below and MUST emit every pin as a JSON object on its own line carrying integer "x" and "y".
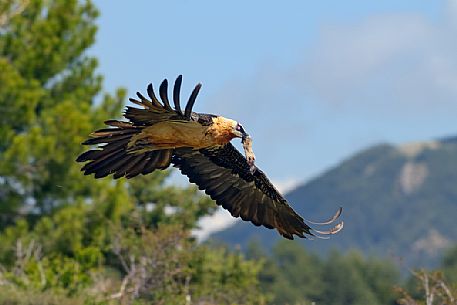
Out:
{"x": 226, "y": 198}
{"x": 153, "y": 97}
{"x": 116, "y": 123}
{"x": 237, "y": 204}
{"x": 91, "y": 155}
{"x": 219, "y": 189}
{"x": 138, "y": 168}
{"x": 145, "y": 103}
{"x": 260, "y": 215}
{"x": 164, "y": 159}
{"x": 249, "y": 208}
{"x": 269, "y": 219}
{"x": 141, "y": 96}
{"x": 163, "y": 91}
{"x": 90, "y": 167}
{"x": 151, "y": 165}
{"x": 176, "y": 92}
{"x": 254, "y": 204}
{"x": 126, "y": 167}
{"x": 130, "y": 171}
{"x": 97, "y": 153}
{"x": 107, "y": 139}
{"x": 119, "y": 167}
{"x": 191, "y": 101}
{"x": 136, "y": 102}
{"x": 103, "y": 163}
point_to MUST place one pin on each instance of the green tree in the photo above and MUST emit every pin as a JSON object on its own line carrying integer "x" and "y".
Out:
{"x": 292, "y": 275}
{"x": 351, "y": 279}
{"x": 47, "y": 89}
{"x": 51, "y": 93}
{"x": 67, "y": 235}
{"x": 139, "y": 265}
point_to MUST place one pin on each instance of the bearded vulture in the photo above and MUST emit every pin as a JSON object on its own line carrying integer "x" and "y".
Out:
{"x": 198, "y": 144}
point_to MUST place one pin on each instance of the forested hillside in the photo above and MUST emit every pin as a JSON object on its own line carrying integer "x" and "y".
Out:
{"x": 399, "y": 202}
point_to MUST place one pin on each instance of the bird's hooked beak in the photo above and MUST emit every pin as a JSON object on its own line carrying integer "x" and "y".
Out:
{"x": 239, "y": 132}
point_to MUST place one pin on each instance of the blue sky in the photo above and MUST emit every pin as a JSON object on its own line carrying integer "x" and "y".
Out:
{"x": 311, "y": 81}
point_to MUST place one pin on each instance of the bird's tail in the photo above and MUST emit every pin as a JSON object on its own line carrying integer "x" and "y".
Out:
{"x": 116, "y": 157}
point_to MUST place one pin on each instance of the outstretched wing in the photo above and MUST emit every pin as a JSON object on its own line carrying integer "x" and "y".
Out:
{"x": 223, "y": 173}
{"x": 122, "y": 149}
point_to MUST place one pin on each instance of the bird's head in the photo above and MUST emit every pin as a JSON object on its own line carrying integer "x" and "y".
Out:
{"x": 226, "y": 129}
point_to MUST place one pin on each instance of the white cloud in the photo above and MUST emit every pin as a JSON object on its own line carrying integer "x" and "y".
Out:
{"x": 210, "y": 224}
{"x": 286, "y": 185}
{"x": 387, "y": 61}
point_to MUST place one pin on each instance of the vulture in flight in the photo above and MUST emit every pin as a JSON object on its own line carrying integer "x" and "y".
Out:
{"x": 158, "y": 134}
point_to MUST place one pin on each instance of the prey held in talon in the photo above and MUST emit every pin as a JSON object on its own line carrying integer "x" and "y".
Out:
{"x": 159, "y": 134}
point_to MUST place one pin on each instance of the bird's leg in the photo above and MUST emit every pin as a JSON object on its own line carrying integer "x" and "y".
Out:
{"x": 250, "y": 157}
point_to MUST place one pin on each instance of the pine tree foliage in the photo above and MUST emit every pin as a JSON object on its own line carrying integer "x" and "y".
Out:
{"x": 52, "y": 96}
{"x": 60, "y": 231}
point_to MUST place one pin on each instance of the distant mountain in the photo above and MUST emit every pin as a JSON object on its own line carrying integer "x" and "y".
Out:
{"x": 398, "y": 202}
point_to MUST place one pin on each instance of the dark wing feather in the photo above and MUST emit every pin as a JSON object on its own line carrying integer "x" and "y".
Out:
{"x": 191, "y": 101}
{"x": 223, "y": 173}
{"x": 176, "y": 93}
{"x": 114, "y": 153}
{"x": 153, "y": 111}
{"x": 163, "y": 92}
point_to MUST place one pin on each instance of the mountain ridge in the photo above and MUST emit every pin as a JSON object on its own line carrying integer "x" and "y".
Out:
{"x": 399, "y": 201}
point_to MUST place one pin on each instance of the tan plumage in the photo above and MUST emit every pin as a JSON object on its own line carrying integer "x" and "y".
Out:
{"x": 174, "y": 134}
{"x": 156, "y": 135}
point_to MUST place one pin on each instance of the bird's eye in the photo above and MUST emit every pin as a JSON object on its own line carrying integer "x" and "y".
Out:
{"x": 239, "y": 127}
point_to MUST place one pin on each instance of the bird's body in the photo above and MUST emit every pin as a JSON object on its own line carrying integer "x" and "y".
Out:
{"x": 175, "y": 134}
{"x": 199, "y": 146}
